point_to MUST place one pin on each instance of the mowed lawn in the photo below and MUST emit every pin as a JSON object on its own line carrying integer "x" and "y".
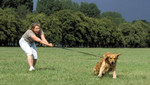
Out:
{"x": 58, "y": 66}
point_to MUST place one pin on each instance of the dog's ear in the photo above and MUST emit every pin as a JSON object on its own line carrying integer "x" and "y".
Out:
{"x": 117, "y": 55}
{"x": 105, "y": 56}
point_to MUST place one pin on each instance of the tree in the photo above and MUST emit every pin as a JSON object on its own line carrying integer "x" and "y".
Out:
{"x": 68, "y": 21}
{"x": 142, "y": 29}
{"x": 114, "y": 16}
{"x": 105, "y": 30}
{"x": 48, "y": 6}
{"x": 130, "y": 35}
{"x": 16, "y": 3}
{"x": 89, "y": 9}
{"x": 89, "y": 31}
{"x": 10, "y": 27}
{"x": 1, "y": 2}
{"x": 72, "y": 28}
{"x": 22, "y": 7}
{"x": 22, "y": 11}
{"x": 68, "y": 4}
{"x": 55, "y": 29}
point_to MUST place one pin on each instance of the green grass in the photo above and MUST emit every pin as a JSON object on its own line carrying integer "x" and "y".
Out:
{"x": 57, "y": 66}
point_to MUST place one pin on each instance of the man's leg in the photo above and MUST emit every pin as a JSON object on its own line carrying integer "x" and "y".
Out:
{"x": 34, "y": 62}
{"x": 30, "y": 62}
{"x": 26, "y": 48}
{"x": 34, "y": 51}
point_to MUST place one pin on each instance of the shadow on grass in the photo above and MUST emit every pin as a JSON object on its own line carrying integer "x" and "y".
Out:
{"x": 110, "y": 76}
{"x": 45, "y": 68}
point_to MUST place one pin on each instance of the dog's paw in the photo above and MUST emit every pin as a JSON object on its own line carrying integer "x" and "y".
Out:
{"x": 114, "y": 77}
{"x": 100, "y": 76}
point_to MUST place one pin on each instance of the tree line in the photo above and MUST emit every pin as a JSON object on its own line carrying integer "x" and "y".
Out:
{"x": 69, "y": 24}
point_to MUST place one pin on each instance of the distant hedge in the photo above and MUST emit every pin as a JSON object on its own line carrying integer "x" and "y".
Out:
{"x": 74, "y": 27}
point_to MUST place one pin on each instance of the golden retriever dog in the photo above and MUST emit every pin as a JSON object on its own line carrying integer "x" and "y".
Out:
{"x": 107, "y": 64}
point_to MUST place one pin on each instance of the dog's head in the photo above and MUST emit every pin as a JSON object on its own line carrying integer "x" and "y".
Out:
{"x": 111, "y": 58}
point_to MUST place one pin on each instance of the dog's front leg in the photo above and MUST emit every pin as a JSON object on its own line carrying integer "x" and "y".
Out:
{"x": 114, "y": 74}
{"x": 101, "y": 70}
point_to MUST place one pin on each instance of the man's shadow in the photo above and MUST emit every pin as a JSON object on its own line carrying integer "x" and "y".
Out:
{"x": 45, "y": 68}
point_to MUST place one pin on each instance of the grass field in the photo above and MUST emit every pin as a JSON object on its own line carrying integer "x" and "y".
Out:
{"x": 57, "y": 66}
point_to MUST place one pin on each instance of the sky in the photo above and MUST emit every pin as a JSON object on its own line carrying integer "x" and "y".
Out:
{"x": 129, "y": 9}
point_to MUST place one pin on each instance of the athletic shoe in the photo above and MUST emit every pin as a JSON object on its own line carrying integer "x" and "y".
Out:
{"x": 31, "y": 69}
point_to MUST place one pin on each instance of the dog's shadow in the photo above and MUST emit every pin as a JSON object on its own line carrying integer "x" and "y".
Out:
{"x": 120, "y": 76}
